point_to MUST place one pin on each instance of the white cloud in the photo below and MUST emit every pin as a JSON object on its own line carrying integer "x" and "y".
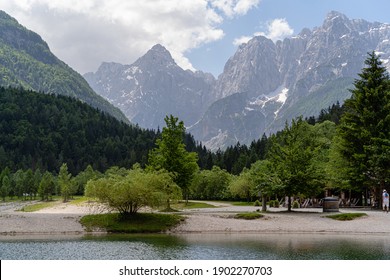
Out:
{"x": 277, "y": 29}
{"x": 242, "y": 40}
{"x": 233, "y": 8}
{"x": 85, "y": 33}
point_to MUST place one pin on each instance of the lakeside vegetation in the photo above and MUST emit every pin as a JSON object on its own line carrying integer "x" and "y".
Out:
{"x": 138, "y": 223}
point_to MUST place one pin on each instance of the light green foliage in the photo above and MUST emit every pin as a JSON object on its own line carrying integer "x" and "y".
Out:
{"x": 128, "y": 190}
{"x": 47, "y": 186}
{"x": 243, "y": 186}
{"x": 210, "y": 184}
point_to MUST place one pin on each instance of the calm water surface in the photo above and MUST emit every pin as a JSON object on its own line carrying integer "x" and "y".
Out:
{"x": 200, "y": 247}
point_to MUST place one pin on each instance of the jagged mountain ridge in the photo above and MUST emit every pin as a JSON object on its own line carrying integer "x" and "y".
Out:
{"x": 152, "y": 87}
{"x": 263, "y": 85}
{"x": 26, "y": 61}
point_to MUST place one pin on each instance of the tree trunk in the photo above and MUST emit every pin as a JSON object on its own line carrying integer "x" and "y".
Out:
{"x": 289, "y": 204}
{"x": 263, "y": 203}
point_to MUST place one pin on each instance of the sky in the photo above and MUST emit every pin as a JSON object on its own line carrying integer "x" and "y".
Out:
{"x": 200, "y": 34}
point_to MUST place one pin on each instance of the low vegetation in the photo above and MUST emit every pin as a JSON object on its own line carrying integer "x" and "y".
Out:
{"x": 248, "y": 216}
{"x": 137, "y": 223}
{"x": 346, "y": 216}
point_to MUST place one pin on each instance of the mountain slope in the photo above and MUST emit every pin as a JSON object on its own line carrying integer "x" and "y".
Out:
{"x": 43, "y": 131}
{"x": 152, "y": 87}
{"x": 26, "y": 61}
{"x": 297, "y": 76}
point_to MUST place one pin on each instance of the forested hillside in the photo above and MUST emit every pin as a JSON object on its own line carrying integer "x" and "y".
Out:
{"x": 41, "y": 131}
{"x": 26, "y": 61}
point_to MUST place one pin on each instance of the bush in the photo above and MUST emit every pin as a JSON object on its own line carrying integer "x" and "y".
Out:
{"x": 295, "y": 204}
{"x": 257, "y": 203}
{"x": 274, "y": 203}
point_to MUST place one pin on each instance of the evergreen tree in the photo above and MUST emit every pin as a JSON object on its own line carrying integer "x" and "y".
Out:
{"x": 364, "y": 131}
{"x": 171, "y": 155}
{"x": 64, "y": 182}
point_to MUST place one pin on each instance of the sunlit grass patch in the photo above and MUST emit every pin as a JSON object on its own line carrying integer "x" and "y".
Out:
{"x": 346, "y": 216}
{"x": 137, "y": 223}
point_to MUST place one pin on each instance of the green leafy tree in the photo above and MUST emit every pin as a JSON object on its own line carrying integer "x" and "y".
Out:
{"x": 28, "y": 184}
{"x": 291, "y": 156}
{"x": 171, "y": 155}
{"x": 243, "y": 186}
{"x": 5, "y": 187}
{"x": 47, "y": 186}
{"x": 364, "y": 130}
{"x": 211, "y": 184}
{"x": 64, "y": 182}
{"x": 127, "y": 192}
{"x": 265, "y": 180}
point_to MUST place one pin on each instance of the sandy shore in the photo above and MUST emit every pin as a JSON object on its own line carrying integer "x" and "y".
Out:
{"x": 63, "y": 219}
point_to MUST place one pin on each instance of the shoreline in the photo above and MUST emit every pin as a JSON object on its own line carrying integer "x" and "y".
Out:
{"x": 62, "y": 221}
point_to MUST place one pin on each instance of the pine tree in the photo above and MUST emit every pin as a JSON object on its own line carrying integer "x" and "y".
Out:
{"x": 365, "y": 127}
{"x": 64, "y": 182}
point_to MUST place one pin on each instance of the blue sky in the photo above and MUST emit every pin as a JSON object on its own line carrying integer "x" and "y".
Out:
{"x": 200, "y": 34}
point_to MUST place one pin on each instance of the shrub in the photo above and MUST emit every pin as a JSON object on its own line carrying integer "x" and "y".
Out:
{"x": 248, "y": 216}
{"x": 257, "y": 203}
{"x": 271, "y": 203}
{"x": 295, "y": 204}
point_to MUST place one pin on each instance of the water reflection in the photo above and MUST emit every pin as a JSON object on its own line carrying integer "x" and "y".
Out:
{"x": 202, "y": 246}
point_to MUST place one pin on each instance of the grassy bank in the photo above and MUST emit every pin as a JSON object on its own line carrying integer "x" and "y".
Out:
{"x": 137, "y": 223}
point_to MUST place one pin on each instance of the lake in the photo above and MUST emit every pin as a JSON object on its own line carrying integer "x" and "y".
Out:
{"x": 199, "y": 247}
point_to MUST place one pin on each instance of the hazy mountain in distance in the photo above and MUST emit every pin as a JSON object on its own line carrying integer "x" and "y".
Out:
{"x": 26, "y": 61}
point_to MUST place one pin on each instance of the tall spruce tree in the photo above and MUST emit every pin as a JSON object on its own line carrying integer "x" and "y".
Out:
{"x": 364, "y": 130}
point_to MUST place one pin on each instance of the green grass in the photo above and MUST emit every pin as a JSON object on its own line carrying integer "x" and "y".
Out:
{"x": 241, "y": 203}
{"x": 346, "y": 216}
{"x": 137, "y": 223}
{"x": 248, "y": 216}
{"x": 193, "y": 205}
{"x": 38, "y": 206}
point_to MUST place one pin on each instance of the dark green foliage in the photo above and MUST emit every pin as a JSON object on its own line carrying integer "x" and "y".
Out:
{"x": 138, "y": 223}
{"x": 346, "y": 216}
{"x": 171, "y": 155}
{"x": 40, "y": 131}
{"x": 364, "y": 131}
{"x": 248, "y": 216}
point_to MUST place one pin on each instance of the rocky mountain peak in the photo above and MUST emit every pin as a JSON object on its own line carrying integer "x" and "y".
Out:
{"x": 157, "y": 56}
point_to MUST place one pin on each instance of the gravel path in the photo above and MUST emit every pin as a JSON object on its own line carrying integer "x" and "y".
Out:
{"x": 63, "y": 219}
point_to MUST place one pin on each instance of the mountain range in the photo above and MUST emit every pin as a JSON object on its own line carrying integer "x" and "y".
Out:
{"x": 26, "y": 61}
{"x": 263, "y": 85}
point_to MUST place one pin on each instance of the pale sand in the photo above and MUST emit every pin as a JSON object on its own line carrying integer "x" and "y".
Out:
{"x": 63, "y": 219}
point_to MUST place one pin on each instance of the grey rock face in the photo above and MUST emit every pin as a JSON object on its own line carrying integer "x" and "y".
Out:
{"x": 152, "y": 87}
{"x": 263, "y": 85}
